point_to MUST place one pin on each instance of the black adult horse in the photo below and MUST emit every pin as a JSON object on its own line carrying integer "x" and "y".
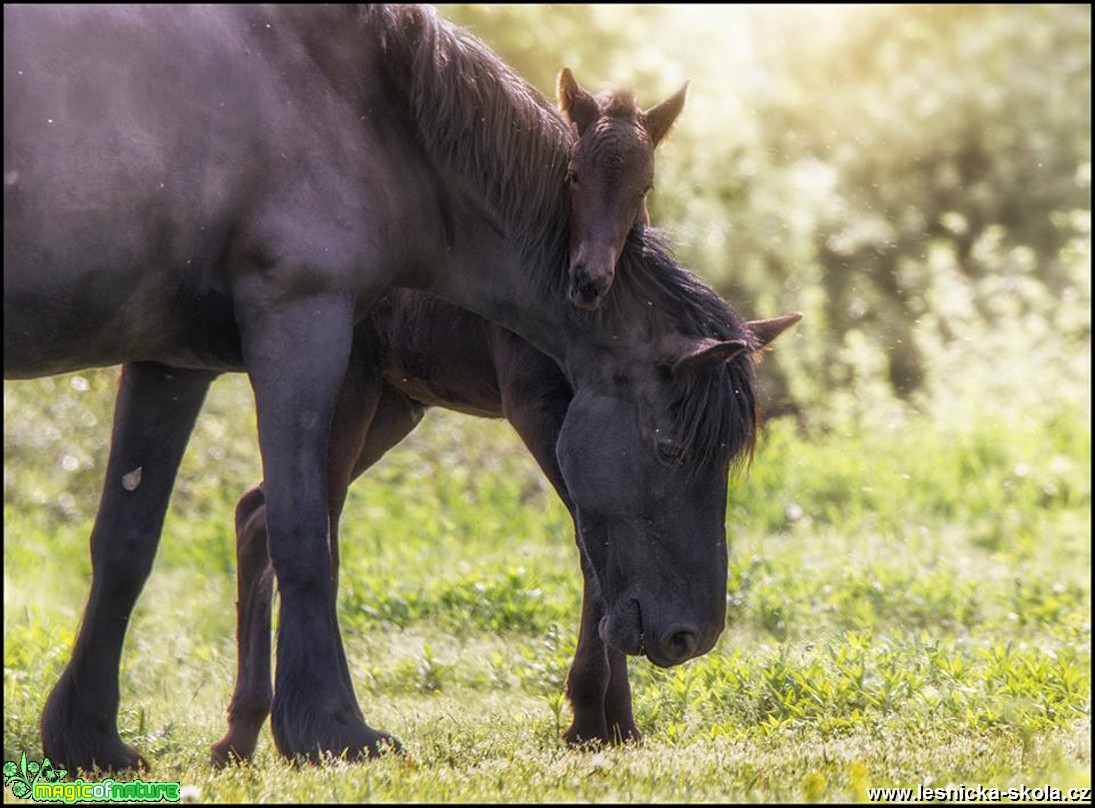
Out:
{"x": 194, "y": 190}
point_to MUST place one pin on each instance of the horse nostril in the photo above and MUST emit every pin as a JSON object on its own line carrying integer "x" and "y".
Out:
{"x": 588, "y": 290}
{"x": 681, "y": 644}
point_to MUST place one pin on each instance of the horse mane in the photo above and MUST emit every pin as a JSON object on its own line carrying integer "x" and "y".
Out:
{"x": 483, "y": 121}
{"x": 480, "y": 119}
{"x": 717, "y": 411}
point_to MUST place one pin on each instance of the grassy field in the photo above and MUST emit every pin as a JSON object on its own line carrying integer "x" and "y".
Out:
{"x": 909, "y": 604}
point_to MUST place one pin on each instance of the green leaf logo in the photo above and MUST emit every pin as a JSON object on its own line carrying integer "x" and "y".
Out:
{"x": 22, "y": 776}
{"x": 51, "y": 774}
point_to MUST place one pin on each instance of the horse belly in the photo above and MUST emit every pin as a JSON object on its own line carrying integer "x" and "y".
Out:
{"x": 438, "y": 354}
{"x": 97, "y": 323}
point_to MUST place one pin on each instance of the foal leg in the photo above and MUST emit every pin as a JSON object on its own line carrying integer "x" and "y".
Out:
{"x": 393, "y": 417}
{"x": 358, "y": 413}
{"x": 297, "y": 353}
{"x": 255, "y": 582}
{"x": 153, "y": 417}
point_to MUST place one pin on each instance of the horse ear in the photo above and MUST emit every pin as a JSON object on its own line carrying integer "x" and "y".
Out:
{"x": 658, "y": 119}
{"x": 577, "y": 106}
{"x": 703, "y": 351}
{"x": 768, "y": 330}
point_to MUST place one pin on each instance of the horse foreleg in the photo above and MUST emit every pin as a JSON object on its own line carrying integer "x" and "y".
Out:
{"x": 597, "y": 684}
{"x": 297, "y": 353}
{"x": 535, "y": 397}
{"x": 368, "y": 421}
{"x": 153, "y": 417}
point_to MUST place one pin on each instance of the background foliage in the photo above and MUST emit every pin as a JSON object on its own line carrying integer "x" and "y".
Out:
{"x": 917, "y": 180}
{"x": 909, "y": 592}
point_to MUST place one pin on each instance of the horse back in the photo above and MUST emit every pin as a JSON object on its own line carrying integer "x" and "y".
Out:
{"x": 153, "y": 156}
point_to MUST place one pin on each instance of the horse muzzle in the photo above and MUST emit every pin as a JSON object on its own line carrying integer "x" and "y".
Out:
{"x": 624, "y": 630}
{"x": 588, "y": 288}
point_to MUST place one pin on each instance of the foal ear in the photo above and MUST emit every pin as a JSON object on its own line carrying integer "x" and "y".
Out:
{"x": 768, "y": 330}
{"x": 703, "y": 351}
{"x": 577, "y": 106}
{"x": 659, "y": 118}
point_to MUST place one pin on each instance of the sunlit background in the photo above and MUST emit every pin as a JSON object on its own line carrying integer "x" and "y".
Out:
{"x": 909, "y": 581}
{"x": 916, "y": 179}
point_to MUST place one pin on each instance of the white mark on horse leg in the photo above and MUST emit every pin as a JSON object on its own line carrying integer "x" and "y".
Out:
{"x": 132, "y": 480}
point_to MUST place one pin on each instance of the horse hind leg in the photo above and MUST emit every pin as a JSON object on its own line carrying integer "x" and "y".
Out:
{"x": 153, "y": 417}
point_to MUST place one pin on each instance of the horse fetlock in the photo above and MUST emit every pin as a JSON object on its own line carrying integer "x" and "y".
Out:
{"x": 238, "y": 746}
{"x": 85, "y": 742}
{"x": 317, "y": 736}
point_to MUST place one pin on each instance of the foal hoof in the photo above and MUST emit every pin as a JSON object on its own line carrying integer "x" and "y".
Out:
{"x": 226, "y": 752}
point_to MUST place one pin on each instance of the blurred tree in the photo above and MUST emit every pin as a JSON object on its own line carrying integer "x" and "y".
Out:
{"x": 964, "y": 125}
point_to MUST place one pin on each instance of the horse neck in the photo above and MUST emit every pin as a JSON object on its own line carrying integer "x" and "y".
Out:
{"x": 499, "y": 278}
{"x": 491, "y": 276}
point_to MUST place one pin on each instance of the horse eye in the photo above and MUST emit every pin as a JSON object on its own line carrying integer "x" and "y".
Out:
{"x": 669, "y": 451}
{"x": 572, "y": 177}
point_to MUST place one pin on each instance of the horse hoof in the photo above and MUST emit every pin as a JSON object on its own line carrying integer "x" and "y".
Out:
{"x": 585, "y": 737}
{"x": 334, "y": 738}
{"x": 626, "y": 735}
{"x": 597, "y": 738}
{"x": 377, "y": 744}
{"x": 111, "y": 756}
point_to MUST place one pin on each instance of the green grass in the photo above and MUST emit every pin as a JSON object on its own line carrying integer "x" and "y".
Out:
{"x": 906, "y": 606}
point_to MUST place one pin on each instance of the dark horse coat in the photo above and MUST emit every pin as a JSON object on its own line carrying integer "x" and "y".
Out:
{"x": 201, "y": 189}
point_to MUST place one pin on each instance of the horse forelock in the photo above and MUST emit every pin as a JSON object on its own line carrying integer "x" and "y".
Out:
{"x": 481, "y": 120}
{"x": 618, "y": 103}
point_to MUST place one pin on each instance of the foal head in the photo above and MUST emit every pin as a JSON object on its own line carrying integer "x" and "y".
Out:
{"x": 611, "y": 169}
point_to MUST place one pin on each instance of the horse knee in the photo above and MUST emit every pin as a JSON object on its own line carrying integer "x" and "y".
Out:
{"x": 121, "y": 564}
{"x": 587, "y": 681}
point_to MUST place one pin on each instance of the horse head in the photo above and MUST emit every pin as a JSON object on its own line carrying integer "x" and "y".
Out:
{"x": 646, "y": 455}
{"x": 611, "y": 170}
